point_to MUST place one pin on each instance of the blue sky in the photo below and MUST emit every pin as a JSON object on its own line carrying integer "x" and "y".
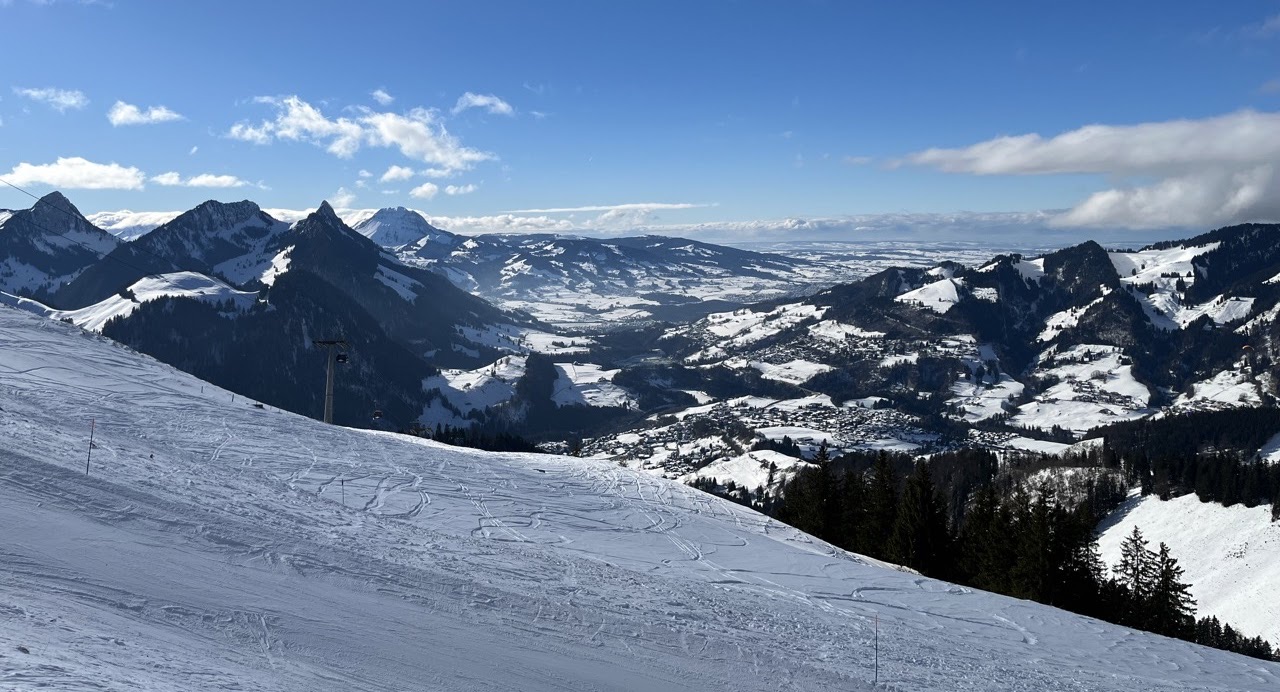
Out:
{"x": 721, "y": 116}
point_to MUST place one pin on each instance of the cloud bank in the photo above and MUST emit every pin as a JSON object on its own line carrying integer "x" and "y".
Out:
{"x": 1206, "y": 172}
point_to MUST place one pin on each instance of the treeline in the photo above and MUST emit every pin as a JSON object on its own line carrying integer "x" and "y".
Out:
{"x": 1211, "y": 454}
{"x": 1033, "y": 542}
{"x": 475, "y": 437}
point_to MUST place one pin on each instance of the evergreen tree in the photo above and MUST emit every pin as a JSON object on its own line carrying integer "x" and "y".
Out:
{"x": 854, "y": 508}
{"x": 1172, "y": 610}
{"x": 984, "y": 550}
{"x": 919, "y": 539}
{"x": 882, "y": 508}
{"x": 1135, "y": 574}
{"x": 804, "y": 501}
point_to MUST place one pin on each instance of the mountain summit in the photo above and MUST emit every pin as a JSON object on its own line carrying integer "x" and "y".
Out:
{"x": 397, "y": 226}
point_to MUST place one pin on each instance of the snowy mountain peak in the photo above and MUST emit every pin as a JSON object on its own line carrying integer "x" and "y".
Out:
{"x": 399, "y": 226}
{"x": 47, "y": 245}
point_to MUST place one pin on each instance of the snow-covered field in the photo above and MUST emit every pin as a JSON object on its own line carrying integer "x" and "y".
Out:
{"x": 1236, "y": 580}
{"x": 939, "y": 296}
{"x": 217, "y": 545}
{"x": 1095, "y": 386}
{"x": 576, "y": 383}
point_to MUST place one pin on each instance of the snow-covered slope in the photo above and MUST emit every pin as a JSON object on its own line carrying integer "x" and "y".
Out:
{"x": 218, "y": 544}
{"x": 175, "y": 285}
{"x": 1231, "y": 555}
{"x": 939, "y": 296}
{"x": 576, "y": 383}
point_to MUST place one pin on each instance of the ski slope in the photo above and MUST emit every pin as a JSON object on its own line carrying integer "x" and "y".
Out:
{"x": 215, "y": 545}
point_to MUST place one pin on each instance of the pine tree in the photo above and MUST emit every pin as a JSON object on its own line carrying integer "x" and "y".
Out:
{"x": 984, "y": 549}
{"x": 919, "y": 539}
{"x": 1135, "y": 573}
{"x": 853, "y": 505}
{"x": 804, "y": 501}
{"x": 1172, "y": 610}
{"x": 882, "y": 508}
{"x": 823, "y": 457}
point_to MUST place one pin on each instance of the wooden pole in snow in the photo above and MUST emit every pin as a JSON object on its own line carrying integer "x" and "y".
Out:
{"x": 877, "y": 678}
{"x": 90, "y": 456}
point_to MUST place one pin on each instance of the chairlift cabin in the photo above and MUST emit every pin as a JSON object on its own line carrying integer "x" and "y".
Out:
{"x": 377, "y": 414}
{"x": 341, "y": 358}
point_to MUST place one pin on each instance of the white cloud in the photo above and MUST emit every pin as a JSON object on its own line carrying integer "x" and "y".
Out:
{"x": 60, "y": 100}
{"x": 193, "y": 151}
{"x": 248, "y": 133}
{"x": 635, "y": 206}
{"x": 128, "y": 114}
{"x": 488, "y": 102}
{"x": 77, "y": 173}
{"x": 172, "y": 178}
{"x": 1210, "y": 171}
{"x": 858, "y": 160}
{"x": 396, "y": 173}
{"x": 382, "y": 97}
{"x": 417, "y": 135}
{"x": 343, "y": 198}
{"x": 364, "y": 174}
{"x": 1243, "y": 137}
{"x": 1211, "y": 197}
{"x": 425, "y": 191}
{"x": 461, "y": 189}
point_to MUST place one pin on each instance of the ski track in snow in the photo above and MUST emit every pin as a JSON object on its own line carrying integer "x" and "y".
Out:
{"x": 232, "y": 560}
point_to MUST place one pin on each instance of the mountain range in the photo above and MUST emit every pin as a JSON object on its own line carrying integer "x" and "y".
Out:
{"x": 637, "y": 351}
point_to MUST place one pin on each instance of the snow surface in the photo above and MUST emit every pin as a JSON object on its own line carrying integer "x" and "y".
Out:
{"x": 939, "y": 296}
{"x": 468, "y": 390}
{"x": 797, "y": 371}
{"x": 588, "y": 384}
{"x": 1271, "y": 450}
{"x": 744, "y": 327}
{"x": 1163, "y": 269}
{"x": 840, "y": 331}
{"x": 750, "y": 470}
{"x": 1231, "y": 555}
{"x": 1095, "y": 387}
{"x": 146, "y": 289}
{"x": 1067, "y": 319}
{"x": 215, "y": 544}
{"x": 1229, "y": 388}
